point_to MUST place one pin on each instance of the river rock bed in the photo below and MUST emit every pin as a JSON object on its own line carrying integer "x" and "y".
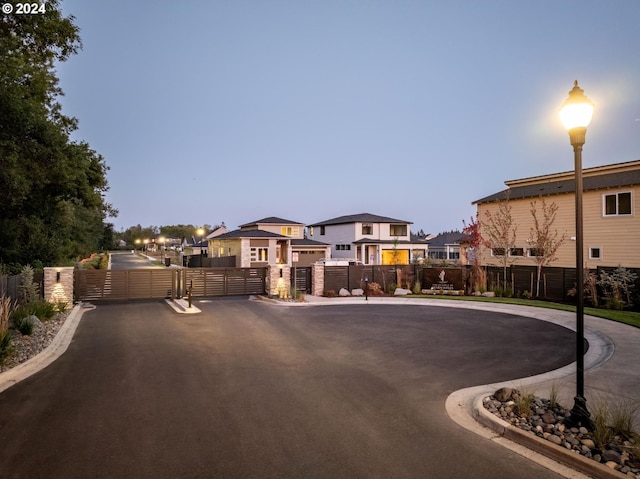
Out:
{"x": 26, "y": 347}
{"x": 547, "y": 421}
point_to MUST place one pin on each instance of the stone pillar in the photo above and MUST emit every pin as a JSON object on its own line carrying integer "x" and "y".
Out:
{"x": 317, "y": 279}
{"x": 58, "y": 284}
{"x": 279, "y": 280}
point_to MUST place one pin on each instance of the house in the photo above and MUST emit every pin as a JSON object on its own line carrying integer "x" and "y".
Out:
{"x": 269, "y": 241}
{"x": 611, "y": 205}
{"x": 446, "y": 247}
{"x": 197, "y": 245}
{"x": 368, "y": 238}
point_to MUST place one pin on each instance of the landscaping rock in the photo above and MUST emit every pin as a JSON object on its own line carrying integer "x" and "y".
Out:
{"x": 401, "y": 292}
{"x": 503, "y": 394}
{"x": 344, "y": 292}
{"x": 357, "y": 292}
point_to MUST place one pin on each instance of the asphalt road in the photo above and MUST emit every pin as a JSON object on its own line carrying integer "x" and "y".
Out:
{"x": 251, "y": 389}
{"x": 128, "y": 260}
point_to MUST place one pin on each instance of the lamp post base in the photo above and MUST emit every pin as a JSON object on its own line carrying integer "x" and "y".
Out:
{"x": 580, "y": 416}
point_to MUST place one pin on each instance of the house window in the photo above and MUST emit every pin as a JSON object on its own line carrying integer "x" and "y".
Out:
{"x": 367, "y": 229}
{"x": 289, "y": 230}
{"x": 259, "y": 255}
{"x": 343, "y": 247}
{"x": 617, "y": 204}
{"x": 516, "y": 252}
{"x": 322, "y": 230}
{"x": 398, "y": 230}
{"x": 497, "y": 251}
{"x": 454, "y": 254}
{"x": 595, "y": 253}
{"x": 535, "y": 252}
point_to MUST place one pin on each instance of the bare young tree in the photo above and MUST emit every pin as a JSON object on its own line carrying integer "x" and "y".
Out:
{"x": 543, "y": 241}
{"x": 474, "y": 241}
{"x": 499, "y": 233}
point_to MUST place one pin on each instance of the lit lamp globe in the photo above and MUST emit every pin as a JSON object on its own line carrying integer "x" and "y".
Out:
{"x": 576, "y": 114}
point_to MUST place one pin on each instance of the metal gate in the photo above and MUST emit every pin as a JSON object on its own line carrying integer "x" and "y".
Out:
{"x": 122, "y": 285}
{"x": 222, "y": 281}
{"x": 301, "y": 277}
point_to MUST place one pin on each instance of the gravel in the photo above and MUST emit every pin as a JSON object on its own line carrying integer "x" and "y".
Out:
{"x": 547, "y": 421}
{"x": 26, "y": 347}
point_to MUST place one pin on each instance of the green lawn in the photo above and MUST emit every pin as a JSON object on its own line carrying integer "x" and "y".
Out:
{"x": 627, "y": 317}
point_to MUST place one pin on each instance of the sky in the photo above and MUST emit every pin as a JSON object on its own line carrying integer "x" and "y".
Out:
{"x": 235, "y": 110}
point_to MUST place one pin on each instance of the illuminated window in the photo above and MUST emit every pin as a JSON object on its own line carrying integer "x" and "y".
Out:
{"x": 259, "y": 255}
{"x": 289, "y": 230}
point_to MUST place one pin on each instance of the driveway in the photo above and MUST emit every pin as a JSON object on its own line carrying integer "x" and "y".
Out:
{"x": 251, "y": 389}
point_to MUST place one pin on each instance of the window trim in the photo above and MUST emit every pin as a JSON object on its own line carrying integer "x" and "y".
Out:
{"x": 255, "y": 255}
{"x": 595, "y": 258}
{"x": 617, "y": 197}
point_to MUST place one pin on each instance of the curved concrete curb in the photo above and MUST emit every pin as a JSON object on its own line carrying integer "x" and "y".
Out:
{"x": 52, "y": 352}
{"x": 534, "y": 443}
{"x": 466, "y": 408}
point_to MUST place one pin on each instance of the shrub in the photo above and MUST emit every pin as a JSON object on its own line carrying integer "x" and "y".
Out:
{"x": 5, "y": 345}
{"x": 61, "y": 306}
{"x": 24, "y": 324}
{"x": 42, "y": 309}
{"x": 417, "y": 287}
{"x": 392, "y": 287}
{"x": 523, "y": 401}
{"x": 28, "y": 290}
{"x": 330, "y": 293}
{"x": 5, "y": 337}
{"x": 375, "y": 289}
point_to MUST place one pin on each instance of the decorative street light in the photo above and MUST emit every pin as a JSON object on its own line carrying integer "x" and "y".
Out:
{"x": 200, "y": 233}
{"x": 575, "y": 114}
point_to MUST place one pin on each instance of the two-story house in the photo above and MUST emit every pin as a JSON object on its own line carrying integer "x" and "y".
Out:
{"x": 611, "y": 204}
{"x": 367, "y": 238}
{"x": 269, "y": 241}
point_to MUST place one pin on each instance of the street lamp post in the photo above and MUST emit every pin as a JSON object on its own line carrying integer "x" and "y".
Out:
{"x": 200, "y": 233}
{"x": 575, "y": 114}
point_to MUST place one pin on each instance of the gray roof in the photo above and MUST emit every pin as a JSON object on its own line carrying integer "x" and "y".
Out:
{"x": 271, "y": 220}
{"x": 360, "y": 218}
{"x": 451, "y": 237}
{"x": 390, "y": 241}
{"x": 611, "y": 180}
{"x": 307, "y": 242}
{"x": 249, "y": 234}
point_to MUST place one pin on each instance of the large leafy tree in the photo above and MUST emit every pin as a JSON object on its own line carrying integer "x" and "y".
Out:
{"x": 53, "y": 208}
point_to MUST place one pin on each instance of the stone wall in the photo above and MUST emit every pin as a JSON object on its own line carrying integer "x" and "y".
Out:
{"x": 317, "y": 279}
{"x": 58, "y": 284}
{"x": 279, "y": 280}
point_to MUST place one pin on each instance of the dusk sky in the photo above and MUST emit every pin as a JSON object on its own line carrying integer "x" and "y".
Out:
{"x": 211, "y": 111}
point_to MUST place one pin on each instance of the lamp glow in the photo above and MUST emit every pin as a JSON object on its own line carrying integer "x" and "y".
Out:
{"x": 577, "y": 110}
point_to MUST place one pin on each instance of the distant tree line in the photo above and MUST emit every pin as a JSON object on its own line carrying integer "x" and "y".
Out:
{"x": 53, "y": 209}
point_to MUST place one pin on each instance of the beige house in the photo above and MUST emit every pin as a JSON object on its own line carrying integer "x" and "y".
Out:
{"x": 611, "y": 203}
{"x": 269, "y": 241}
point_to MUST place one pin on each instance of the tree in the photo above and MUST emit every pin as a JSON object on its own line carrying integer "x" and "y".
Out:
{"x": 499, "y": 233}
{"x": 53, "y": 209}
{"x": 473, "y": 238}
{"x": 543, "y": 241}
